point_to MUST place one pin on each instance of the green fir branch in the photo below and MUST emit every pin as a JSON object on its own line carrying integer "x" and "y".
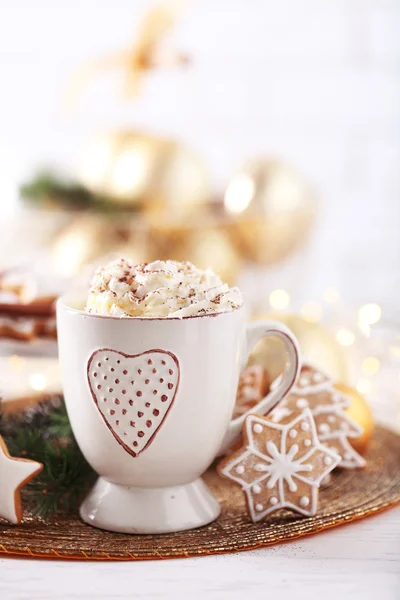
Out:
{"x": 47, "y": 187}
{"x": 44, "y": 434}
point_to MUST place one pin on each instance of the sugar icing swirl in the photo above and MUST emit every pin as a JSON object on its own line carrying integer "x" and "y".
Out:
{"x": 159, "y": 289}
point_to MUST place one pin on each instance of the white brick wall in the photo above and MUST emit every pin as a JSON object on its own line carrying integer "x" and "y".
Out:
{"x": 314, "y": 81}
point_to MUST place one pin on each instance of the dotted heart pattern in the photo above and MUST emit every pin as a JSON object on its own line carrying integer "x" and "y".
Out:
{"x": 133, "y": 393}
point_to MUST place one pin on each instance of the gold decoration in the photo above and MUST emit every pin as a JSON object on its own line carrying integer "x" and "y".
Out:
{"x": 347, "y": 498}
{"x": 274, "y": 207}
{"x": 210, "y": 247}
{"x": 317, "y": 346}
{"x": 144, "y": 54}
{"x": 136, "y": 168}
{"x": 94, "y": 238}
{"x": 89, "y": 237}
{"x": 165, "y": 238}
{"x": 360, "y": 411}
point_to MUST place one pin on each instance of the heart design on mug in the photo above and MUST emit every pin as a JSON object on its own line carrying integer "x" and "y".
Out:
{"x": 133, "y": 393}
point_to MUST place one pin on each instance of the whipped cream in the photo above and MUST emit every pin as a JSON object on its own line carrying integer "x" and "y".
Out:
{"x": 159, "y": 289}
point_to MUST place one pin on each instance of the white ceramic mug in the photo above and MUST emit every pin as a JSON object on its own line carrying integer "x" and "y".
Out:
{"x": 150, "y": 402}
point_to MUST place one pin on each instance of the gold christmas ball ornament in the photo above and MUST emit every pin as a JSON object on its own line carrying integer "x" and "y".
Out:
{"x": 133, "y": 168}
{"x": 360, "y": 411}
{"x": 166, "y": 238}
{"x": 317, "y": 345}
{"x": 210, "y": 247}
{"x": 88, "y": 237}
{"x": 274, "y": 209}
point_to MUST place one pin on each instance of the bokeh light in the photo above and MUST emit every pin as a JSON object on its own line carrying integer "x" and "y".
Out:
{"x": 345, "y": 337}
{"x": 279, "y": 299}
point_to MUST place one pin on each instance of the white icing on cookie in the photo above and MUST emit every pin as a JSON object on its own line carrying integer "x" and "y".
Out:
{"x": 281, "y": 466}
{"x": 324, "y": 428}
{"x": 333, "y": 423}
{"x": 302, "y": 403}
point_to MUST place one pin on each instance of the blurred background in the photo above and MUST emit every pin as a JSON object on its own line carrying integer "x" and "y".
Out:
{"x": 260, "y": 138}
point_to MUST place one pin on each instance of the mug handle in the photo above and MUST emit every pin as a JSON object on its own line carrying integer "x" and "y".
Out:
{"x": 254, "y": 332}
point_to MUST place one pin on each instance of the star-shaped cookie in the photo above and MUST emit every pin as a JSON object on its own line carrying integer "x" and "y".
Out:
{"x": 280, "y": 465}
{"x": 15, "y": 473}
{"x": 314, "y": 390}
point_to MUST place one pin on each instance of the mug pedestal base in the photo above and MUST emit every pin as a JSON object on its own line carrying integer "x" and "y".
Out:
{"x": 149, "y": 510}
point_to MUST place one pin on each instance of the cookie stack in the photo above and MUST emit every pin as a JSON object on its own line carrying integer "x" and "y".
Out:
{"x": 27, "y": 307}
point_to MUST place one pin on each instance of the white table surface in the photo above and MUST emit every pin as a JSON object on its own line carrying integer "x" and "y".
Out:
{"x": 356, "y": 561}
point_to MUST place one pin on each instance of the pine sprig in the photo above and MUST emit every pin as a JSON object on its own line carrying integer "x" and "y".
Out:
{"x": 48, "y": 188}
{"x": 59, "y": 425}
{"x": 66, "y": 475}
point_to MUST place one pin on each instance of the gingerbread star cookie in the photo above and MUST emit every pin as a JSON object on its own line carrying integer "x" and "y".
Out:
{"x": 280, "y": 465}
{"x": 15, "y": 473}
{"x": 253, "y": 387}
{"x": 315, "y": 390}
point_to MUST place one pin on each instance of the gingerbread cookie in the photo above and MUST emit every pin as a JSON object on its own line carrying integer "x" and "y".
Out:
{"x": 19, "y": 328}
{"x": 316, "y": 391}
{"x": 27, "y": 306}
{"x": 15, "y": 473}
{"x": 360, "y": 411}
{"x": 280, "y": 465}
{"x": 29, "y": 287}
{"x": 14, "y": 284}
{"x": 253, "y": 387}
{"x": 47, "y": 328}
{"x": 27, "y": 328}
